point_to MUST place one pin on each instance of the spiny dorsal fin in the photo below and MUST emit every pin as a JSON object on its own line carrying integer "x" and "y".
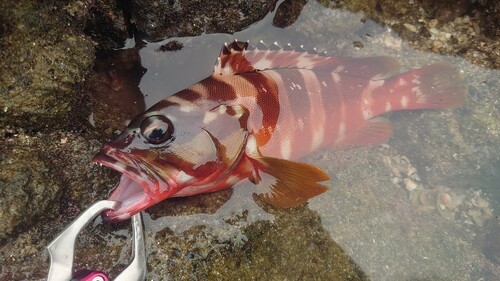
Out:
{"x": 232, "y": 59}
{"x": 238, "y": 58}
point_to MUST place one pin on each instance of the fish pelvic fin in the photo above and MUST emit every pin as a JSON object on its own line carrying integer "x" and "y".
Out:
{"x": 436, "y": 86}
{"x": 286, "y": 184}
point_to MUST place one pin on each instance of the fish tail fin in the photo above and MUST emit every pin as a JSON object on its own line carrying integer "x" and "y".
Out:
{"x": 436, "y": 86}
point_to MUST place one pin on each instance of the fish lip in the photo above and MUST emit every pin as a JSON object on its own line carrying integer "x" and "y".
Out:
{"x": 134, "y": 191}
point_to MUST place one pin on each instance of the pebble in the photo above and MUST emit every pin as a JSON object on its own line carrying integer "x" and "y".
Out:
{"x": 410, "y": 184}
{"x": 410, "y": 27}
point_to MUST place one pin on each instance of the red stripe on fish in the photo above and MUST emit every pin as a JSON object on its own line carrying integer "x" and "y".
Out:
{"x": 265, "y": 114}
{"x": 218, "y": 90}
{"x": 258, "y": 113}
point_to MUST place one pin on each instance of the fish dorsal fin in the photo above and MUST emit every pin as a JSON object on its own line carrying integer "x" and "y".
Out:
{"x": 232, "y": 60}
{"x": 237, "y": 58}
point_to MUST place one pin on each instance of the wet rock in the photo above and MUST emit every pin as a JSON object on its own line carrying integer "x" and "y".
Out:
{"x": 278, "y": 251}
{"x": 46, "y": 180}
{"x": 450, "y": 11}
{"x": 171, "y": 46}
{"x": 114, "y": 89}
{"x": 25, "y": 180}
{"x": 37, "y": 171}
{"x": 293, "y": 244}
{"x": 489, "y": 14}
{"x": 157, "y": 20}
{"x": 288, "y": 12}
{"x": 460, "y": 37}
{"x": 105, "y": 22}
{"x": 45, "y": 62}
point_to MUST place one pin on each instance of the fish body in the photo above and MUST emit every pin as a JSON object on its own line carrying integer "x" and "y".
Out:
{"x": 256, "y": 115}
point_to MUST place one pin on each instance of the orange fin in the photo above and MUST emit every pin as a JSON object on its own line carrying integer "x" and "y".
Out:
{"x": 286, "y": 184}
{"x": 373, "y": 131}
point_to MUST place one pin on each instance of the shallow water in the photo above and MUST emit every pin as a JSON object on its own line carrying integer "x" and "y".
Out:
{"x": 445, "y": 228}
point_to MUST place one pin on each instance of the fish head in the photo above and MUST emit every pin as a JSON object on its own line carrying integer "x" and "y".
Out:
{"x": 171, "y": 148}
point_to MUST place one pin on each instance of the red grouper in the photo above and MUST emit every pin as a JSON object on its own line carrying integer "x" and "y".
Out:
{"x": 258, "y": 113}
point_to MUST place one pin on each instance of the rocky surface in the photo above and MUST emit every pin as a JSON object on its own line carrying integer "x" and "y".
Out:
{"x": 466, "y": 28}
{"x": 45, "y": 61}
{"x": 46, "y": 178}
{"x": 157, "y": 20}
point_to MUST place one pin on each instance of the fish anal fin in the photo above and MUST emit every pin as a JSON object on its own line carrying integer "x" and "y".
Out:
{"x": 286, "y": 184}
{"x": 373, "y": 131}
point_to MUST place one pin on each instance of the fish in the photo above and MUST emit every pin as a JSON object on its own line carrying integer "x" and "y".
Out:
{"x": 260, "y": 111}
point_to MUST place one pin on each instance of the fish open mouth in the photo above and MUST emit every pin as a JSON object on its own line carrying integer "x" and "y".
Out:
{"x": 137, "y": 188}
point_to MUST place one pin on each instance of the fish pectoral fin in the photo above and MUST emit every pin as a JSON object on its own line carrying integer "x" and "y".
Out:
{"x": 286, "y": 184}
{"x": 373, "y": 131}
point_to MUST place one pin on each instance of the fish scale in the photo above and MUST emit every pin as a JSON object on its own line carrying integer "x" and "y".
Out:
{"x": 257, "y": 115}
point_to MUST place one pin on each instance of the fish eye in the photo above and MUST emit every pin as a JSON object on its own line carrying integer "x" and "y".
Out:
{"x": 157, "y": 129}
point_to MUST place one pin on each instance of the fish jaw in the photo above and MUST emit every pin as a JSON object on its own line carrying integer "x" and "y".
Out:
{"x": 133, "y": 199}
{"x": 140, "y": 186}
